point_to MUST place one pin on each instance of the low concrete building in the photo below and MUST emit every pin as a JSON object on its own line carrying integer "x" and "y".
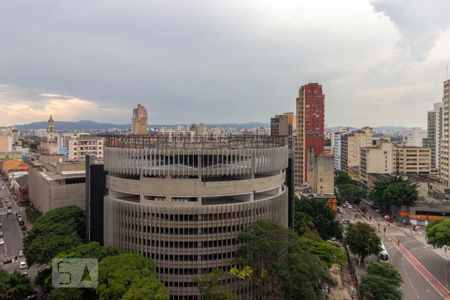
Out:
{"x": 423, "y": 212}
{"x": 55, "y": 182}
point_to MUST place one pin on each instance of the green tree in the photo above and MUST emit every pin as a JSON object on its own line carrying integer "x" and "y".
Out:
{"x": 125, "y": 275}
{"x": 393, "y": 192}
{"x": 322, "y": 216}
{"x": 303, "y": 223}
{"x": 438, "y": 233}
{"x": 146, "y": 288}
{"x": 57, "y": 230}
{"x": 362, "y": 240}
{"x": 342, "y": 178}
{"x": 90, "y": 250}
{"x": 327, "y": 253}
{"x": 14, "y": 286}
{"x": 382, "y": 281}
{"x": 33, "y": 214}
{"x": 281, "y": 266}
{"x": 211, "y": 288}
{"x": 351, "y": 193}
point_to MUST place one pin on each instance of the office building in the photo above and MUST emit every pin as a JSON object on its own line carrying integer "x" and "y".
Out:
{"x": 182, "y": 202}
{"x": 309, "y": 140}
{"x": 139, "y": 122}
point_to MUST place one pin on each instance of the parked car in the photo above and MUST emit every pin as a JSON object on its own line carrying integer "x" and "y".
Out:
{"x": 9, "y": 211}
{"x": 387, "y": 217}
{"x": 24, "y": 272}
{"x": 340, "y": 210}
{"x": 377, "y": 210}
{"x": 1, "y": 234}
{"x": 7, "y": 260}
{"x": 344, "y": 205}
{"x": 349, "y": 206}
{"x": 24, "y": 228}
{"x": 20, "y": 253}
{"x": 22, "y": 265}
{"x": 345, "y": 221}
{"x": 1, "y": 224}
{"x": 21, "y": 222}
{"x": 2, "y": 241}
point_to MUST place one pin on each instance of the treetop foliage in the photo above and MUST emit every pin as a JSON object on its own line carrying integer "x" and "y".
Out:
{"x": 382, "y": 281}
{"x": 129, "y": 275}
{"x": 438, "y": 233}
{"x": 393, "y": 192}
{"x": 57, "y": 230}
{"x": 362, "y": 239}
{"x": 14, "y": 286}
{"x": 320, "y": 214}
{"x": 282, "y": 264}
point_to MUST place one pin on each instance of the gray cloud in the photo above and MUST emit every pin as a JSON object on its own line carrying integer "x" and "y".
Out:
{"x": 419, "y": 22}
{"x": 212, "y": 61}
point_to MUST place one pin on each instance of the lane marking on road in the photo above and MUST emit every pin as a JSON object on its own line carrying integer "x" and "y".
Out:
{"x": 435, "y": 283}
{"x": 410, "y": 282}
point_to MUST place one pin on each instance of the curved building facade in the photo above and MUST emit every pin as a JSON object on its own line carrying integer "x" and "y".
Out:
{"x": 183, "y": 202}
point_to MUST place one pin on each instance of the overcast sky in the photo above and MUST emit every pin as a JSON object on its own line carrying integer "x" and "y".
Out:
{"x": 381, "y": 62}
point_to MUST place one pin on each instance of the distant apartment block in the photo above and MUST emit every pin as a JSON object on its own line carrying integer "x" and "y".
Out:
{"x": 139, "y": 122}
{"x": 388, "y": 158}
{"x": 83, "y": 145}
{"x": 357, "y": 140}
{"x": 412, "y": 160}
{"x": 434, "y": 133}
{"x": 376, "y": 159}
{"x": 283, "y": 125}
{"x": 54, "y": 182}
{"x": 444, "y": 171}
{"x": 415, "y": 137}
{"x": 6, "y": 143}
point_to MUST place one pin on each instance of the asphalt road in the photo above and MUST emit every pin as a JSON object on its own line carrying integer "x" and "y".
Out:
{"x": 414, "y": 284}
{"x": 12, "y": 233}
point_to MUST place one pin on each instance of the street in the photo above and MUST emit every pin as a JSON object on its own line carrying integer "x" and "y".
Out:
{"x": 414, "y": 286}
{"x": 12, "y": 234}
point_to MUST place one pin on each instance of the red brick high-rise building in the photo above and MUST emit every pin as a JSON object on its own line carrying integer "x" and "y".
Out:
{"x": 309, "y": 141}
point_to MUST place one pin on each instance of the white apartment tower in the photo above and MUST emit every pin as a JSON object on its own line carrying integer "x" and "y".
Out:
{"x": 444, "y": 144}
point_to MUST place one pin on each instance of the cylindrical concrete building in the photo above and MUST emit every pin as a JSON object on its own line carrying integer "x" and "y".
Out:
{"x": 182, "y": 202}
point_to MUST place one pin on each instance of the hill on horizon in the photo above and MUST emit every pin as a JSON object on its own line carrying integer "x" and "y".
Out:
{"x": 92, "y": 125}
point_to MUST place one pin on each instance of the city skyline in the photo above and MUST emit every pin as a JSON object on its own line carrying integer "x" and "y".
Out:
{"x": 223, "y": 63}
